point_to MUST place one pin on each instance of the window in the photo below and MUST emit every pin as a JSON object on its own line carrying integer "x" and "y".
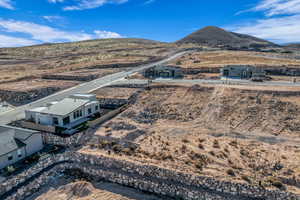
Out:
{"x": 19, "y": 152}
{"x": 97, "y": 107}
{"x": 74, "y": 115}
{"x": 66, "y": 120}
{"x": 55, "y": 120}
{"x": 89, "y": 110}
{"x": 80, "y": 113}
{"x": 9, "y": 157}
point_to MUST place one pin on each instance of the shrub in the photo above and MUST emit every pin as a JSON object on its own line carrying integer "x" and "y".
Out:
{"x": 117, "y": 148}
{"x": 199, "y": 166}
{"x": 127, "y": 151}
{"x": 185, "y": 141}
{"x": 246, "y": 178}
{"x": 233, "y": 143}
{"x": 230, "y": 172}
{"x": 216, "y": 144}
{"x": 201, "y": 146}
{"x": 183, "y": 148}
{"x": 278, "y": 185}
{"x": 201, "y": 140}
{"x": 212, "y": 153}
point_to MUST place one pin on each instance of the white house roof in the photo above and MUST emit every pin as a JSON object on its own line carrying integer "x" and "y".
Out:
{"x": 63, "y": 107}
{"x": 12, "y": 138}
{"x": 38, "y": 109}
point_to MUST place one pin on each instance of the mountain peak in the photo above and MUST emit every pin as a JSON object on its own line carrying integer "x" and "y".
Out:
{"x": 215, "y": 36}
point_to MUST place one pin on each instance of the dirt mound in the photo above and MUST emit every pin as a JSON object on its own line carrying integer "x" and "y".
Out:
{"x": 78, "y": 189}
{"x": 214, "y": 36}
{"x": 72, "y": 191}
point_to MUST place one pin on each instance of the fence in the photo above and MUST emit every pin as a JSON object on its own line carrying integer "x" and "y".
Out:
{"x": 30, "y": 125}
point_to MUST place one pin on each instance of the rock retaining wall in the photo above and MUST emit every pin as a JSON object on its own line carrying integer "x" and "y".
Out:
{"x": 20, "y": 98}
{"x": 143, "y": 177}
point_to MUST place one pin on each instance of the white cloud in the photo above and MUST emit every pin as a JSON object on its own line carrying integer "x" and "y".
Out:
{"x": 90, "y": 4}
{"x": 107, "y": 34}
{"x": 6, "y": 4}
{"x": 281, "y": 23}
{"x": 278, "y": 7}
{"x": 149, "y": 2}
{"x": 56, "y": 1}
{"x": 8, "y": 41}
{"x": 52, "y": 18}
{"x": 42, "y": 32}
{"x": 280, "y": 30}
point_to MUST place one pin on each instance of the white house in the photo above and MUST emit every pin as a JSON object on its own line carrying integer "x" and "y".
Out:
{"x": 17, "y": 144}
{"x": 67, "y": 113}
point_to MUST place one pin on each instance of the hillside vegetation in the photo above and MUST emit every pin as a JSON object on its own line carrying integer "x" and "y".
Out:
{"x": 22, "y": 62}
{"x": 235, "y": 134}
{"x": 215, "y": 36}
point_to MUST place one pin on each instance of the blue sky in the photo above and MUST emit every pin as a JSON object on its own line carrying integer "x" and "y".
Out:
{"x": 28, "y": 22}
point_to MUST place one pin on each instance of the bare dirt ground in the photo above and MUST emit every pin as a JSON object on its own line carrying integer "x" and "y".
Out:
{"x": 32, "y": 84}
{"x": 115, "y": 92}
{"x": 235, "y": 134}
{"x": 55, "y": 58}
{"x": 222, "y": 58}
{"x": 65, "y": 188}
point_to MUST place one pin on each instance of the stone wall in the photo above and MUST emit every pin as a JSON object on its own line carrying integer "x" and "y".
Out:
{"x": 143, "y": 177}
{"x": 88, "y": 77}
{"x": 19, "y": 98}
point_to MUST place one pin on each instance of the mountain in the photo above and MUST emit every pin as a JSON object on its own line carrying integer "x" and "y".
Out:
{"x": 215, "y": 36}
{"x": 294, "y": 46}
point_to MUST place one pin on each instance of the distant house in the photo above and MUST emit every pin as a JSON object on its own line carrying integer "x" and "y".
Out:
{"x": 163, "y": 72}
{"x": 68, "y": 113}
{"x": 4, "y": 107}
{"x": 242, "y": 72}
{"x": 17, "y": 144}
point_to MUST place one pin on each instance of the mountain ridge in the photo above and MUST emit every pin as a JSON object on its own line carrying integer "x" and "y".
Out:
{"x": 215, "y": 36}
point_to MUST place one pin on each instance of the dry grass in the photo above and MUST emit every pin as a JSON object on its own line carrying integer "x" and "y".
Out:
{"x": 203, "y": 130}
{"x": 221, "y": 58}
{"x": 37, "y": 60}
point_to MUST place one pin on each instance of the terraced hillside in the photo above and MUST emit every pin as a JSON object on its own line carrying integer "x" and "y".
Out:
{"x": 237, "y": 134}
{"x": 22, "y": 62}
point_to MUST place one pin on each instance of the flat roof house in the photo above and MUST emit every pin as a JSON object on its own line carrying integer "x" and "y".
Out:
{"x": 67, "y": 113}
{"x": 17, "y": 144}
{"x": 242, "y": 72}
{"x": 162, "y": 71}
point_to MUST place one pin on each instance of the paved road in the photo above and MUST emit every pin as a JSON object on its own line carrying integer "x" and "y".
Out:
{"x": 215, "y": 82}
{"x": 18, "y": 113}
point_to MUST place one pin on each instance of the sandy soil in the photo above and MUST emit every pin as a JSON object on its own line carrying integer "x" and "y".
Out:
{"x": 82, "y": 190}
{"x": 231, "y": 134}
{"x": 115, "y": 92}
{"x": 56, "y": 58}
{"x": 33, "y": 84}
{"x": 222, "y": 58}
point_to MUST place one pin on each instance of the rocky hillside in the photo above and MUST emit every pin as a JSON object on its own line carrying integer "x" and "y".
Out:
{"x": 229, "y": 133}
{"x": 214, "y": 36}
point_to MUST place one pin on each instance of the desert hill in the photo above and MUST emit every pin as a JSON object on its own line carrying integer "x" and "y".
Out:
{"x": 215, "y": 36}
{"x": 295, "y": 46}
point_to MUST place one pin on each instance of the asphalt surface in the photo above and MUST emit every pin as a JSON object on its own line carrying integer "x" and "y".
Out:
{"x": 213, "y": 82}
{"x": 19, "y": 112}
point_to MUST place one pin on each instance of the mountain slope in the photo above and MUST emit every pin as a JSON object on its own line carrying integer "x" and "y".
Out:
{"x": 214, "y": 36}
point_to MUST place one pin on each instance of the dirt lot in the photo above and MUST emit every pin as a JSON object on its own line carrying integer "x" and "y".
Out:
{"x": 235, "y": 134}
{"x": 65, "y": 188}
{"x": 115, "y": 92}
{"x": 55, "y": 58}
{"x": 222, "y": 58}
{"x": 35, "y": 84}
